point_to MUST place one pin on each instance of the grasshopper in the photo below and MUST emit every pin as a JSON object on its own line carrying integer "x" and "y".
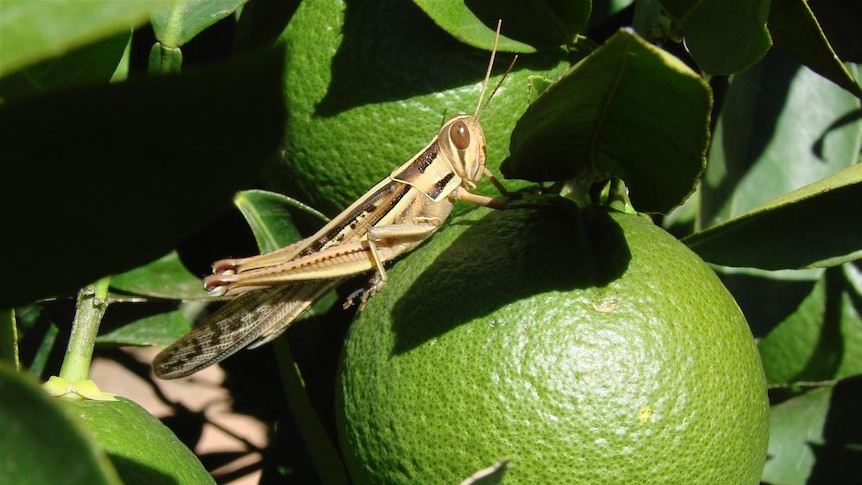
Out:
{"x": 392, "y": 218}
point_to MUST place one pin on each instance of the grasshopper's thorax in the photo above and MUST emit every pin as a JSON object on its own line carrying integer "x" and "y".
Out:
{"x": 462, "y": 143}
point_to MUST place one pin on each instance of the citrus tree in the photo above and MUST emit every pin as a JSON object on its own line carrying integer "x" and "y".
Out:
{"x": 732, "y": 126}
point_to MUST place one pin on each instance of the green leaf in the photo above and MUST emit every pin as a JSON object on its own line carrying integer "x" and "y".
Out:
{"x": 526, "y": 27}
{"x": 814, "y": 226}
{"x": 37, "y": 338}
{"x": 9, "y": 339}
{"x": 107, "y": 179}
{"x": 271, "y": 217}
{"x": 39, "y": 443}
{"x": 771, "y": 139}
{"x": 165, "y": 277}
{"x": 178, "y": 23}
{"x": 795, "y": 29}
{"x": 816, "y": 437}
{"x": 536, "y": 86}
{"x": 162, "y": 328}
{"x": 839, "y": 20}
{"x": 723, "y": 36}
{"x": 822, "y": 339}
{"x": 629, "y": 110}
{"x": 93, "y": 64}
{"x": 34, "y": 31}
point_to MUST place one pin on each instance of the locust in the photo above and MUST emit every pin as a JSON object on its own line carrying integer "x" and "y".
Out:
{"x": 273, "y": 289}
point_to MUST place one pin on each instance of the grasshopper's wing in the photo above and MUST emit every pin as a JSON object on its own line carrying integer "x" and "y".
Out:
{"x": 250, "y": 319}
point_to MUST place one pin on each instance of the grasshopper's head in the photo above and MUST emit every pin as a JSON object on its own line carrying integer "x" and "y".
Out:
{"x": 462, "y": 142}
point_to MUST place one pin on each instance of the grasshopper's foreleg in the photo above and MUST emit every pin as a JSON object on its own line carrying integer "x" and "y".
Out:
{"x": 490, "y": 176}
{"x": 482, "y": 200}
{"x": 507, "y": 201}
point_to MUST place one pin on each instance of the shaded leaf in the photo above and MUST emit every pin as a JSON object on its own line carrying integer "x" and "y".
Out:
{"x": 767, "y": 298}
{"x": 818, "y": 227}
{"x": 723, "y": 36}
{"x": 101, "y": 188}
{"x": 839, "y": 20}
{"x": 821, "y": 340}
{"x": 816, "y": 437}
{"x": 771, "y": 139}
{"x": 526, "y": 27}
{"x": 157, "y": 329}
{"x": 34, "y": 31}
{"x": 92, "y": 64}
{"x": 536, "y": 85}
{"x": 38, "y": 338}
{"x": 795, "y": 29}
{"x": 609, "y": 116}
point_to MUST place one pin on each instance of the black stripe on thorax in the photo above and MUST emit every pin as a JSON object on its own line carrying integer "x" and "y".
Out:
{"x": 420, "y": 165}
{"x": 441, "y": 184}
{"x": 364, "y": 216}
{"x": 427, "y": 158}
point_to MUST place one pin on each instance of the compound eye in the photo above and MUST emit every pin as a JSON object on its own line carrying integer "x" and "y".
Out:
{"x": 459, "y": 135}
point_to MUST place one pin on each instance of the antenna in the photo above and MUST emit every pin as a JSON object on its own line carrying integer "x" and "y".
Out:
{"x": 480, "y": 106}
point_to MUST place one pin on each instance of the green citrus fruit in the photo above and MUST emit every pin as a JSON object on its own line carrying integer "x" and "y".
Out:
{"x": 141, "y": 448}
{"x": 583, "y": 346}
{"x": 369, "y": 84}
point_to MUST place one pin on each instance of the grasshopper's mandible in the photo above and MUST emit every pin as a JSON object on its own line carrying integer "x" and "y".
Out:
{"x": 392, "y": 218}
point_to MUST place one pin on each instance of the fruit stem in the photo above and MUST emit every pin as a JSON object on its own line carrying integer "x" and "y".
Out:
{"x": 646, "y": 18}
{"x": 89, "y": 310}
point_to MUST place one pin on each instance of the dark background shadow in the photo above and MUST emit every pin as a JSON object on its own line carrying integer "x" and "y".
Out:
{"x": 839, "y": 458}
{"x": 760, "y": 113}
